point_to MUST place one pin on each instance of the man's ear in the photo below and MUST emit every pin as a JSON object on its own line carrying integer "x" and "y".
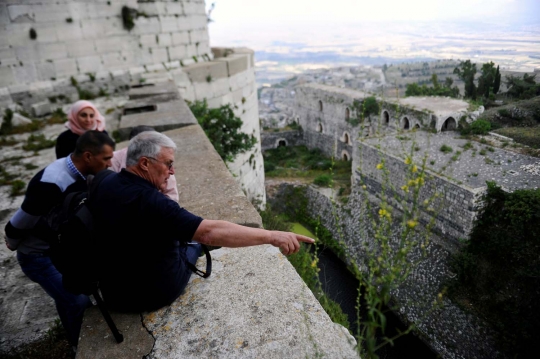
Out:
{"x": 87, "y": 156}
{"x": 143, "y": 163}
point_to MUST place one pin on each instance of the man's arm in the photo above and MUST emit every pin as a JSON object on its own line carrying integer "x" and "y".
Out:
{"x": 227, "y": 234}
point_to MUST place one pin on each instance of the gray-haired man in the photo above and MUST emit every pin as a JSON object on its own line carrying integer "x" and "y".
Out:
{"x": 145, "y": 234}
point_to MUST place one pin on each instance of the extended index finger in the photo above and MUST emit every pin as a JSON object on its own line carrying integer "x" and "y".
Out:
{"x": 304, "y": 239}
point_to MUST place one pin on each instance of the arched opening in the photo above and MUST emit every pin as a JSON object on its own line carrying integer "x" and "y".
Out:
{"x": 319, "y": 128}
{"x": 346, "y": 138}
{"x": 449, "y": 125}
{"x": 345, "y": 156}
{"x": 406, "y": 124}
{"x": 320, "y": 106}
{"x": 416, "y": 127}
{"x": 386, "y": 118}
{"x": 347, "y": 114}
{"x": 282, "y": 143}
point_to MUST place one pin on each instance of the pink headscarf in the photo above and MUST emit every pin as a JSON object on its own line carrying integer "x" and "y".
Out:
{"x": 73, "y": 122}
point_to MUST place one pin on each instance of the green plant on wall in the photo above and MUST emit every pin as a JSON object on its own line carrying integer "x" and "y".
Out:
{"x": 222, "y": 128}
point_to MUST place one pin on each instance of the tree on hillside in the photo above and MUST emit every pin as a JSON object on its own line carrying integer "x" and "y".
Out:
{"x": 497, "y": 83}
{"x": 488, "y": 79}
{"x": 523, "y": 88}
{"x": 466, "y": 71}
{"x": 435, "y": 81}
{"x": 437, "y": 90}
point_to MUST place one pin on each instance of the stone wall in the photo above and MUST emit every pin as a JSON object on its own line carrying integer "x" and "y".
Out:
{"x": 450, "y": 331}
{"x": 230, "y": 79}
{"x": 455, "y": 206}
{"x": 270, "y": 140}
{"x": 84, "y": 46}
{"x": 79, "y": 37}
{"x": 323, "y": 117}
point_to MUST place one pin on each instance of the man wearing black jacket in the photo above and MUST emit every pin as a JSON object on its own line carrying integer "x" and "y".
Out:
{"x": 27, "y": 230}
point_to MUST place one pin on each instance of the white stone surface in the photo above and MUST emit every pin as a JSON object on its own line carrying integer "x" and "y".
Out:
{"x": 274, "y": 314}
{"x": 65, "y": 67}
{"x": 89, "y": 64}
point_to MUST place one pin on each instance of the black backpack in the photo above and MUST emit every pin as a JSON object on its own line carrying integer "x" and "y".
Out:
{"x": 73, "y": 250}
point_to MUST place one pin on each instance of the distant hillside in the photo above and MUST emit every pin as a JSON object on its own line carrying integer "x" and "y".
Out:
{"x": 525, "y": 113}
{"x": 519, "y": 121}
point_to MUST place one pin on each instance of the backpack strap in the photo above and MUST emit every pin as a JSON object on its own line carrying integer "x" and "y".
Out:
{"x": 94, "y": 181}
{"x": 208, "y": 264}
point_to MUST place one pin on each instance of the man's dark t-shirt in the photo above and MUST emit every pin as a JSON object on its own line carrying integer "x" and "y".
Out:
{"x": 141, "y": 233}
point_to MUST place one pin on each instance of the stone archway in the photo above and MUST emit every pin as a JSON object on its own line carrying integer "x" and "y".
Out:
{"x": 320, "y": 128}
{"x": 450, "y": 124}
{"x": 416, "y": 127}
{"x": 405, "y": 123}
{"x": 345, "y": 156}
{"x": 386, "y": 118}
{"x": 346, "y": 138}
{"x": 282, "y": 143}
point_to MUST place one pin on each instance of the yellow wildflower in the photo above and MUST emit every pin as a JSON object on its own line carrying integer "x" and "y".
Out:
{"x": 411, "y": 223}
{"x": 380, "y": 166}
{"x": 408, "y": 161}
{"x": 414, "y": 169}
{"x": 314, "y": 263}
{"x": 383, "y": 212}
{"x": 405, "y": 188}
{"x": 364, "y": 187}
{"x": 412, "y": 183}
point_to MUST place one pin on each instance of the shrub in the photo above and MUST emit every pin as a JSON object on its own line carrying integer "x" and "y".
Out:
{"x": 446, "y": 149}
{"x": 323, "y": 180}
{"x": 500, "y": 265}
{"x": 38, "y": 142}
{"x": 222, "y": 128}
{"x": 17, "y": 188}
{"x": 480, "y": 127}
{"x": 6, "y": 122}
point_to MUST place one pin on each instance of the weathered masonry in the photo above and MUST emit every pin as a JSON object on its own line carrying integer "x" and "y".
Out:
{"x": 407, "y": 131}
{"x": 58, "y": 51}
{"x": 330, "y": 120}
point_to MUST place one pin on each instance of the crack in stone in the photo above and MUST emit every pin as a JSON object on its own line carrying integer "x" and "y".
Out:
{"x": 152, "y": 335}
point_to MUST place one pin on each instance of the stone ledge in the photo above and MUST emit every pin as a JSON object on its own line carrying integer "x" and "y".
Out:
{"x": 167, "y": 115}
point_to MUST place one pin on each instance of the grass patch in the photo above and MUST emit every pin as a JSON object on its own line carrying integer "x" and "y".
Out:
{"x": 38, "y": 142}
{"x": 529, "y": 136}
{"x": 53, "y": 345}
{"x": 300, "y": 162}
{"x": 446, "y": 149}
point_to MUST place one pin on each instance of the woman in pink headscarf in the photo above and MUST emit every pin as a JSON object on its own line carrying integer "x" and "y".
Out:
{"x": 83, "y": 116}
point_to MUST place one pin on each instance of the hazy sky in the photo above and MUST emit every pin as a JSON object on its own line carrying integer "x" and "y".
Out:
{"x": 231, "y": 11}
